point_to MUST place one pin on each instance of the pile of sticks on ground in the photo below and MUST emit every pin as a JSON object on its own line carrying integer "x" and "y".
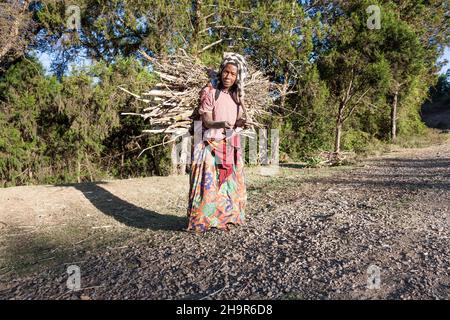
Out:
{"x": 173, "y": 100}
{"x": 330, "y": 158}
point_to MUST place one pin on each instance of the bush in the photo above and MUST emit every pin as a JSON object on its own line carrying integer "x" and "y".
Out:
{"x": 360, "y": 142}
{"x": 71, "y": 130}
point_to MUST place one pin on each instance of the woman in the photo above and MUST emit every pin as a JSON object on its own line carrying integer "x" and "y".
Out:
{"x": 217, "y": 193}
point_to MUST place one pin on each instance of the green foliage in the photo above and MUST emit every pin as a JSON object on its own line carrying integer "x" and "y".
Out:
{"x": 308, "y": 128}
{"x": 68, "y": 131}
{"x": 409, "y": 120}
{"x": 442, "y": 88}
{"x": 358, "y": 141}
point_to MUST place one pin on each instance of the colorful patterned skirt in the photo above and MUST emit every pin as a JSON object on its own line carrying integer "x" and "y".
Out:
{"x": 215, "y": 201}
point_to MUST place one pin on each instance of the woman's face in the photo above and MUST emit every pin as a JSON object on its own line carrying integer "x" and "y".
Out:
{"x": 229, "y": 75}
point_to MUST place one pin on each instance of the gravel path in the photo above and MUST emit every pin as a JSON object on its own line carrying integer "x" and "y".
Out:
{"x": 311, "y": 238}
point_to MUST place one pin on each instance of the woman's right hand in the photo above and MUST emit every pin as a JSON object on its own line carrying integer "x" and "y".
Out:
{"x": 226, "y": 125}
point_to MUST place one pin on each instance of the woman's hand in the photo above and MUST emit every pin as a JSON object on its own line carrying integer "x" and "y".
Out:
{"x": 226, "y": 125}
{"x": 211, "y": 124}
{"x": 240, "y": 123}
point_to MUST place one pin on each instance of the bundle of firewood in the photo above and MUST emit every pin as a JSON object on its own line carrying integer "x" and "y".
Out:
{"x": 171, "y": 103}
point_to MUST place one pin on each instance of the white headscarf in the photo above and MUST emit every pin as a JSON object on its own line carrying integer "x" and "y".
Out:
{"x": 239, "y": 61}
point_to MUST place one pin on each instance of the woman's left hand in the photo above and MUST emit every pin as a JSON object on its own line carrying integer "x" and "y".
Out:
{"x": 240, "y": 123}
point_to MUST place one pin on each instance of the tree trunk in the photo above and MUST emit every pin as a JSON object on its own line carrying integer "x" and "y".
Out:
{"x": 11, "y": 39}
{"x": 197, "y": 23}
{"x": 394, "y": 117}
{"x": 88, "y": 166}
{"x": 338, "y": 133}
{"x": 337, "y": 142}
{"x": 122, "y": 163}
{"x": 78, "y": 162}
{"x": 284, "y": 89}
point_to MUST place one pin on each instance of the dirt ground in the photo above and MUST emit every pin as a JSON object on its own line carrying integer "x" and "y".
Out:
{"x": 376, "y": 229}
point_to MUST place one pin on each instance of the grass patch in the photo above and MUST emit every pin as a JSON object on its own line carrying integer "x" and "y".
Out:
{"x": 429, "y": 138}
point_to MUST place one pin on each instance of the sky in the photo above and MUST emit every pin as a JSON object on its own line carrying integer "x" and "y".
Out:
{"x": 446, "y": 56}
{"x": 46, "y": 60}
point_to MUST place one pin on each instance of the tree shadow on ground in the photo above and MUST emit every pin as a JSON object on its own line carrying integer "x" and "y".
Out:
{"x": 293, "y": 165}
{"x": 423, "y": 174}
{"x": 434, "y": 163}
